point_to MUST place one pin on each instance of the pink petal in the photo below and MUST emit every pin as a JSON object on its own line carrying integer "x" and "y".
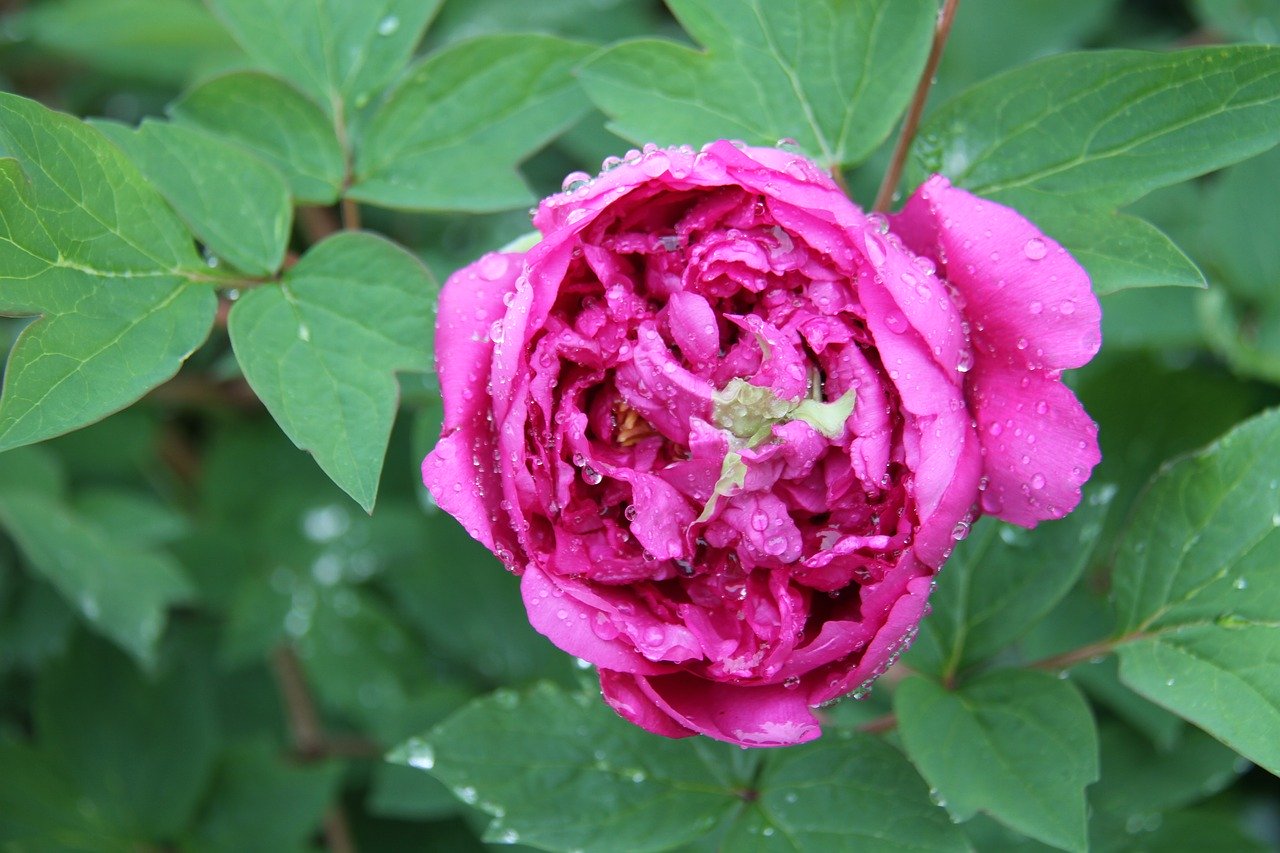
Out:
{"x": 466, "y": 490}
{"x": 693, "y": 325}
{"x": 623, "y": 693}
{"x": 1027, "y": 300}
{"x": 1040, "y": 444}
{"x": 471, "y": 299}
{"x": 564, "y": 612}
{"x": 767, "y": 715}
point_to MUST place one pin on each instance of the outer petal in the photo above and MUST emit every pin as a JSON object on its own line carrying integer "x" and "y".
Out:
{"x": 1027, "y": 300}
{"x": 622, "y": 691}
{"x": 1040, "y": 445}
{"x": 562, "y": 616}
{"x": 768, "y": 715}
{"x": 459, "y": 471}
{"x": 471, "y": 299}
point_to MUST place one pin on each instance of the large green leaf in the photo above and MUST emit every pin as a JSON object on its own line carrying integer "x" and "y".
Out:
{"x": 449, "y": 136}
{"x": 121, "y": 589}
{"x": 1242, "y": 314}
{"x": 561, "y": 771}
{"x": 141, "y": 750}
{"x": 1017, "y": 744}
{"x": 1120, "y": 251}
{"x": 1104, "y": 128}
{"x": 167, "y": 41}
{"x": 1000, "y": 581}
{"x": 237, "y": 205}
{"x": 844, "y": 792}
{"x": 1197, "y": 594}
{"x": 339, "y": 52}
{"x": 42, "y": 809}
{"x": 1068, "y": 139}
{"x": 277, "y": 122}
{"x": 990, "y": 36}
{"x": 813, "y": 71}
{"x": 322, "y": 348}
{"x": 89, "y": 246}
{"x": 1140, "y": 779}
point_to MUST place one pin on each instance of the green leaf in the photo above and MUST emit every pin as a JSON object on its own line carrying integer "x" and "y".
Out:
{"x": 120, "y": 589}
{"x": 88, "y": 246}
{"x": 167, "y": 41}
{"x": 32, "y": 469}
{"x": 439, "y": 601}
{"x": 1104, "y": 128}
{"x": 450, "y": 135}
{"x": 41, "y": 809}
{"x": 844, "y": 792}
{"x": 1196, "y": 591}
{"x": 1017, "y": 744}
{"x": 339, "y": 52}
{"x": 589, "y": 20}
{"x": 1118, "y": 250}
{"x": 1245, "y": 20}
{"x": 561, "y": 771}
{"x": 1242, "y": 314}
{"x": 990, "y": 36}
{"x": 321, "y": 351}
{"x": 275, "y": 121}
{"x": 140, "y": 750}
{"x": 1152, "y": 319}
{"x": 132, "y": 516}
{"x": 260, "y": 803}
{"x": 1001, "y": 580}
{"x": 812, "y": 71}
{"x": 35, "y": 627}
{"x": 1237, "y": 220}
{"x": 1139, "y": 779}
{"x": 236, "y": 205}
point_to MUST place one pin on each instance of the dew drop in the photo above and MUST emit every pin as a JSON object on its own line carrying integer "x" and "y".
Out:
{"x": 388, "y": 25}
{"x": 1035, "y": 249}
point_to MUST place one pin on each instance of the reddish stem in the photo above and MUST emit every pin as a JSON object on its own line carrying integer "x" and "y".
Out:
{"x": 909, "y": 125}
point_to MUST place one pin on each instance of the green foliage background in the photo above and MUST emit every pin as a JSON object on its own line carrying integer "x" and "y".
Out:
{"x": 230, "y": 617}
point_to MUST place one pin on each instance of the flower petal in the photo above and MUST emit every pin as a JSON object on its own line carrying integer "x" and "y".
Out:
{"x": 471, "y": 300}
{"x": 766, "y": 715}
{"x": 1027, "y": 300}
{"x": 1040, "y": 445}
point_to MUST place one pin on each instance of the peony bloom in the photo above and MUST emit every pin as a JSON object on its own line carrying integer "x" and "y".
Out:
{"x": 727, "y": 427}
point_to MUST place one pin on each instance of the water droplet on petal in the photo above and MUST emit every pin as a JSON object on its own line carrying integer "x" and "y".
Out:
{"x": 1035, "y": 249}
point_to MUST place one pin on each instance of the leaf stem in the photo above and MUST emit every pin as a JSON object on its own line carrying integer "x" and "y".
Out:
{"x": 894, "y": 174}
{"x": 350, "y": 214}
{"x": 309, "y": 740}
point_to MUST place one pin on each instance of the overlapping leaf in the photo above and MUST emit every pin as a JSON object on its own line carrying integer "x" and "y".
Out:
{"x": 1098, "y": 130}
{"x": 237, "y": 205}
{"x": 1197, "y": 594}
{"x": 1000, "y": 581}
{"x": 338, "y": 52}
{"x": 322, "y": 348}
{"x": 812, "y": 71}
{"x": 277, "y": 122}
{"x": 561, "y": 771}
{"x": 1016, "y": 744}
{"x": 93, "y": 250}
{"x": 449, "y": 136}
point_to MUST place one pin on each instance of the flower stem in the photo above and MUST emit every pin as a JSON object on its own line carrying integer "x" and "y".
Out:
{"x": 940, "y": 33}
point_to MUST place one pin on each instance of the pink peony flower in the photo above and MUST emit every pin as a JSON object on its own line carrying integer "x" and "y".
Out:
{"x": 727, "y": 427}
